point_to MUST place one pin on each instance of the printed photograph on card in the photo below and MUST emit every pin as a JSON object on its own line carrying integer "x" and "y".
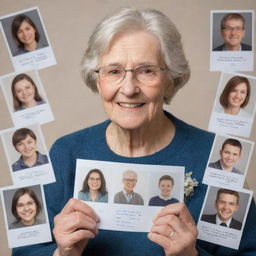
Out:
{"x": 25, "y": 215}
{"x": 27, "y": 155}
{"x": 27, "y": 40}
{"x": 26, "y": 99}
{"x": 228, "y": 161}
{"x": 232, "y": 40}
{"x": 127, "y": 196}
{"x": 223, "y": 216}
{"x": 235, "y": 105}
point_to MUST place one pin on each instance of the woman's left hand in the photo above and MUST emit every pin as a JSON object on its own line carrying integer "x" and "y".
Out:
{"x": 175, "y": 230}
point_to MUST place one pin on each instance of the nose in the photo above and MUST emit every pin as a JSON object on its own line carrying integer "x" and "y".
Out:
{"x": 129, "y": 85}
{"x": 26, "y": 146}
{"x": 26, "y": 207}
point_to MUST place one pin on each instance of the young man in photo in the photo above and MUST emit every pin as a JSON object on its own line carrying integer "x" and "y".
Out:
{"x": 226, "y": 204}
{"x": 230, "y": 153}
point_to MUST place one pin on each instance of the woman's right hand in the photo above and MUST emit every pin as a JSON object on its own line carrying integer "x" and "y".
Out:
{"x": 73, "y": 227}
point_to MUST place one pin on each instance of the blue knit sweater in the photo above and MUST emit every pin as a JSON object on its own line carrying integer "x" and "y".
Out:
{"x": 190, "y": 147}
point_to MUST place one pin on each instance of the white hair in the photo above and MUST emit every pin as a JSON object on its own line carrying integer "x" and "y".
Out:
{"x": 130, "y": 19}
{"x": 127, "y": 172}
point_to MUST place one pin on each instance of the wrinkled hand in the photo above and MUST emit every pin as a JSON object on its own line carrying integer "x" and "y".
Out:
{"x": 174, "y": 229}
{"x": 73, "y": 227}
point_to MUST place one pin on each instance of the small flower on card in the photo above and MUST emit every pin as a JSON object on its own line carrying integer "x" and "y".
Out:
{"x": 190, "y": 184}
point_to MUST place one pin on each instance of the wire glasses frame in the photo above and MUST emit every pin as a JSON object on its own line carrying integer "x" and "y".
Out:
{"x": 116, "y": 74}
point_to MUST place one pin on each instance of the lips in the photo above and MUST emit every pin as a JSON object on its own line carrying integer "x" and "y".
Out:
{"x": 130, "y": 105}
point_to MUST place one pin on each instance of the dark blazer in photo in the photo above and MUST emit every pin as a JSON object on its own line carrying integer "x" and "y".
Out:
{"x": 244, "y": 47}
{"x": 211, "y": 218}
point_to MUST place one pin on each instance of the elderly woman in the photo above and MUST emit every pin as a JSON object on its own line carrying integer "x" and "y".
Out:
{"x": 235, "y": 96}
{"x": 25, "y": 208}
{"x": 24, "y": 93}
{"x": 25, "y": 34}
{"x": 25, "y": 142}
{"x": 94, "y": 187}
{"x": 136, "y": 62}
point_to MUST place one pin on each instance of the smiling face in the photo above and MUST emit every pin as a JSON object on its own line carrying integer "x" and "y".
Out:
{"x": 94, "y": 181}
{"x": 26, "y": 34}
{"x": 26, "y": 209}
{"x": 237, "y": 96}
{"x": 233, "y": 34}
{"x": 229, "y": 156}
{"x": 25, "y": 92}
{"x": 129, "y": 182}
{"x": 166, "y": 188}
{"x": 132, "y": 104}
{"x": 27, "y": 147}
{"x": 226, "y": 206}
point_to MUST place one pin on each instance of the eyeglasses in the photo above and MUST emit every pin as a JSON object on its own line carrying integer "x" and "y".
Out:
{"x": 116, "y": 74}
{"x": 130, "y": 180}
{"x": 235, "y": 29}
{"x": 94, "y": 179}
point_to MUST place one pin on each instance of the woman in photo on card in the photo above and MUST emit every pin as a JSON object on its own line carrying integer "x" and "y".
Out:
{"x": 25, "y": 93}
{"x": 135, "y": 61}
{"x": 25, "y": 35}
{"x": 25, "y": 142}
{"x": 235, "y": 96}
{"x": 166, "y": 183}
{"x": 94, "y": 187}
{"x": 25, "y": 208}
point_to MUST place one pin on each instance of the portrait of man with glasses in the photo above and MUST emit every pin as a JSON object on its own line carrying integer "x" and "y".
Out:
{"x": 127, "y": 195}
{"x": 232, "y": 30}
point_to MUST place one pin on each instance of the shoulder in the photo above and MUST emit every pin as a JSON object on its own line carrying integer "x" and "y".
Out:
{"x": 42, "y": 158}
{"x": 119, "y": 194}
{"x": 174, "y": 200}
{"x": 235, "y": 224}
{"x": 16, "y": 166}
{"x": 246, "y": 47}
{"x": 215, "y": 164}
{"x": 208, "y": 217}
{"x": 38, "y": 222}
{"x": 235, "y": 170}
{"x": 83, "y": 195}
{"x": 80, "y": 141}
{"x": 19, "y": 51}
{"x": 193, "y": 135}
{"x": 40, "y": 102}
{"x": 137, "y": 195}
{"x": 89, "y": 134}
{"x": 41, "y": 45}
{"x": 154, "y": 198}
{"x": 12, "y": 225}
{"x": 219, "y": 48}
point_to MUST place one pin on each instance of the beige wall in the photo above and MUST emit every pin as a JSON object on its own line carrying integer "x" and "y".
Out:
{"x": 69, "y": 23}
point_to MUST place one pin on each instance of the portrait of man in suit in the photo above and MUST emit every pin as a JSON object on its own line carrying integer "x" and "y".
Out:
{"x": 127, "y": 195}
{"x": 230, "y": 154}
{"x": 226, "y": 204}
{"x": 233, "y": 32}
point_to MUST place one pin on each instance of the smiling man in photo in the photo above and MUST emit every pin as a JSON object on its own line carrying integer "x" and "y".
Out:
{"x": 233, "y": 32}
{"x": 128, "y": 196}
{"x": 226, "y": 204}
{"x": 230, "y": 153}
